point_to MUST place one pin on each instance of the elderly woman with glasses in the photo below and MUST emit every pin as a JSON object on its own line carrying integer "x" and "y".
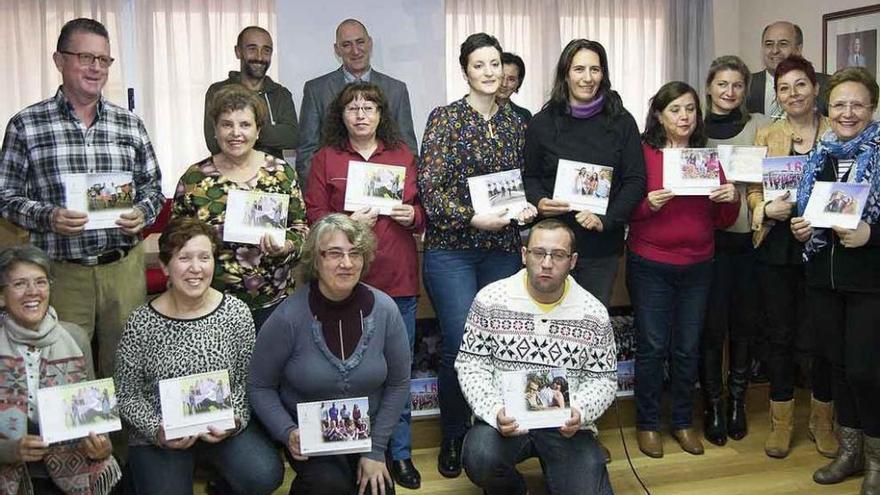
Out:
{"x": 37, "y": 350}
{"x": 335, "y": 338}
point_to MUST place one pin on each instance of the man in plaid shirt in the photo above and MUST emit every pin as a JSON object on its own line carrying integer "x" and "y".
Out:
{"x": 99, "y": 274}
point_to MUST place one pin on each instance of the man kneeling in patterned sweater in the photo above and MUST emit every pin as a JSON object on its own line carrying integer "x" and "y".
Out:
{"x": 539, "y": 319}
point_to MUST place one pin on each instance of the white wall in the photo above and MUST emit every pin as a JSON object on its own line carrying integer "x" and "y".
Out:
{"x": 407, "y": 44}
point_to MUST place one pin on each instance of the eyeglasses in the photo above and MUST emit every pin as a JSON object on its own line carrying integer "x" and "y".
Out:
{"x": 556, "y": 256}
{"x": 338, "y": 255}
{"x": 87, "y": 59}
{"x": 854, "y": 106}
{"x": 21, "y": 285}
{"x": 369, "y": 110}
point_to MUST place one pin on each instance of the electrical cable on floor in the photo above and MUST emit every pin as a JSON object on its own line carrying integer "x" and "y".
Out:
{"x": 625, "y": 449}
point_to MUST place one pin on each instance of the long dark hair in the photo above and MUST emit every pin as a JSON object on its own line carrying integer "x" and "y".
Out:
{"x": 655, "y": 134}
{"x": 336, "y": 134}
{"x": 558, "y": 102}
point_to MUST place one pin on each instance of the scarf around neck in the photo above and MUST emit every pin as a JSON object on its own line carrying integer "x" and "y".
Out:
{"x": 61, "y": 362}
{"x": 587, "y": 110}
{"x": 864, "y": 149}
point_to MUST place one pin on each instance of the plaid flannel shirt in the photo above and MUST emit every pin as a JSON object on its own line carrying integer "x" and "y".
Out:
{"x": 47, "y": 140}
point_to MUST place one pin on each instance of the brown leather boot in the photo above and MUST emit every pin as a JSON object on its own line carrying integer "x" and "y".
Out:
{"x": 778, "y": 443}
{"x": 650, "y": 443}
{"x": 689, "y": 441}
{"x": 871, "y": 483}
{"x": 821, "y": 428}
{"x": 850, "y": 460}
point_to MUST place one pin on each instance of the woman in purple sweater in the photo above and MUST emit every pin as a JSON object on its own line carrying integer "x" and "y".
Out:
{"x": 335, "y": 338}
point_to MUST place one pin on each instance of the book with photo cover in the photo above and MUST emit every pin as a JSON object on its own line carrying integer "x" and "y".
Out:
{"x": 374, "y": 185}
{"x": 782, "y": 174}
{"x": 73, "y": 410}
{"x": 536, "y": 398}
{"x": 424, "y": 397}
{"x": 691, "y": 171}
{"x": 492, "y": 193}
{"x": 334, "y": 426}
{"x": 252, "y": 214}
{"x": 584, "y": 186}
{"x": 192, "y": 403}
{"x": 741, "y": 163}
{"x": 102, "y": 196}
{"x": 836, "y": 204}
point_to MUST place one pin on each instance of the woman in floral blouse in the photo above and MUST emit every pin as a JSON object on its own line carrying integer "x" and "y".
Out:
{"x": 465, "y": 251}
{"x": 261, "y": 274}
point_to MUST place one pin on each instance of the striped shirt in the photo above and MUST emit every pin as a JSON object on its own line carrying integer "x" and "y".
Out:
{"x": 46, "y": 141}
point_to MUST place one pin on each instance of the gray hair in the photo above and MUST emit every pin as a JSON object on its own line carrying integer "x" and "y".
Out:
{"x": 357, "y": 233}
{"x": 13, "y": 255}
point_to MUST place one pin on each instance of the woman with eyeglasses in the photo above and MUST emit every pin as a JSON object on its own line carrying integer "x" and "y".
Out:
{"x": 335, "y": 338}
{"x": 38, "y": 350}
{"x": 464, "y": 250}
{"x": 669, "y": 269}
{"x": 260, "y": 274}
{"x": 843, "y": 275}
{"x": 360, "y": 128}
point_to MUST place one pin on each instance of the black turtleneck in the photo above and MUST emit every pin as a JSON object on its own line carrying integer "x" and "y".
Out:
{"x": 724, "y": 126}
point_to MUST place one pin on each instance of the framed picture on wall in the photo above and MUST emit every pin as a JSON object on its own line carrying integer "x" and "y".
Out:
{"x": 850, "y": 38}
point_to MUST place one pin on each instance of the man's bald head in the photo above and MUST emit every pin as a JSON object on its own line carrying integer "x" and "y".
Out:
{"x": 780, "y": 40}
{"x": 354, "y": 46}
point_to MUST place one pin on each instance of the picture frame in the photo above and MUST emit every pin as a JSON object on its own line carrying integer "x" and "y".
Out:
{"x": 851, "y": 38}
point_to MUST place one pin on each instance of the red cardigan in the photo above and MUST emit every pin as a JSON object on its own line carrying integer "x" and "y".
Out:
{"x": 683, "y": 231}
{"x": 395, "y": 269}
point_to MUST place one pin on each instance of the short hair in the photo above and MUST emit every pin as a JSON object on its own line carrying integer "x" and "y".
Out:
{"x": 352, "y": 21}
{"x": 857, "y": 75}
{"x": 729, "y": 62}
{"x": 553, "y": 224}
{"x": 28, "y": 254}
{"x": 81, "y": 24}
{"x": 250, "y": 28}
{"x": 794, "y": 62}
{"x": 798, "y": 32}
{"x": 336, "y": 134}
{"x": 357, "y": 233}
{"x": 179, "y": 231}
{"x": 613, "y": 106}
{"x": 655, "y": 133}
{"x": 508, "y": 58}
{"x": 473, "y": 43}
{"x": 232, "y": 97}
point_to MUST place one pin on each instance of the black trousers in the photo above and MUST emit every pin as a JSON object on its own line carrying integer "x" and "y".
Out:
{"x": 791, "y": 338}
{"x": 849, "y": 325}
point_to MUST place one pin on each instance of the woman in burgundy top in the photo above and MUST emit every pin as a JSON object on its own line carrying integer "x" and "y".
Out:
{"x": 669, "y": 269}
{"x": 359, "y": 127}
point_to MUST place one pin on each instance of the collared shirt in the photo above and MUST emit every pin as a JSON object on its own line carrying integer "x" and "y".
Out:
{"x": 31, "y": 356}
{"x": 771, "y": 105}
{"x": 350, "y": 78}
{"x": 46, "y": 141}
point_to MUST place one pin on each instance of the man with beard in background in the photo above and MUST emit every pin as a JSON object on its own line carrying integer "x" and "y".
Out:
{"x": 254, "y": 51}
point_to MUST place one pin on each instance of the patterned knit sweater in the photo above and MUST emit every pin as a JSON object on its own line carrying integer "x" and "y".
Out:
{"x": 506, "y": 331}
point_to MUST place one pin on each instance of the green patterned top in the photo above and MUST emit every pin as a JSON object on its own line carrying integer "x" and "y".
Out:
{"x": 243, "y": 270}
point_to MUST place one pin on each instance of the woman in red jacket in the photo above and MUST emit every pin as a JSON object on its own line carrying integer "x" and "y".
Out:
{"x": 669, "y": 270}
{"x": 360, "y": 128}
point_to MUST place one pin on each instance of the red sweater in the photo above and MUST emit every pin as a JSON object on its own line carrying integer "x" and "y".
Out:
{"x": 683, "y": 231}
{"x": 395, "y": 270}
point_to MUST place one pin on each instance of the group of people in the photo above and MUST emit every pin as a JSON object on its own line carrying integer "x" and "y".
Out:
{"x": 347, "y": 330}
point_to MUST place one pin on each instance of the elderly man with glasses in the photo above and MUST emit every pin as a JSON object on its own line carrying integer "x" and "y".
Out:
{"x": 99, "y": 272}
{"x": 539, "y": 319}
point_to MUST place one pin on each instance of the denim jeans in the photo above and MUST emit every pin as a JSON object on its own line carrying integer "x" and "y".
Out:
{"x": 328, "y": 475}
{"x": 401, "y": 436}
{"x": 574, "y": 466}
{"x": 452, "y": 279}
{"x": 669, "y": 303}
{"x": 248, "y": 462}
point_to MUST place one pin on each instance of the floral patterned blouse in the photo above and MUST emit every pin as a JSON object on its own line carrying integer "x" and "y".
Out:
{"x": 243, "y": 270}
{"x": 460, "y": 143}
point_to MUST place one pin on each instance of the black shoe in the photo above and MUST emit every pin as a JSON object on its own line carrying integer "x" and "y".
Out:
{"x": 714, "y": 423}
{"x": 405, "y": 474}
{"x": 737, "y": 427}
{"x": 449, "y": 459}
{"x": 758, "y": 371}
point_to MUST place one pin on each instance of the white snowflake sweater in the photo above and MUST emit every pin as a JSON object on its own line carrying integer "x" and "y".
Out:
{"x": 506, "y": 331}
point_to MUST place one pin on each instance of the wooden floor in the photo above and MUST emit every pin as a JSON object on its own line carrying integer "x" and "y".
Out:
{"x": 737, "y": 468}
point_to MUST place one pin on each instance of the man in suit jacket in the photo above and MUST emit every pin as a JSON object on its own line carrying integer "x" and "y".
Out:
{"x": 354, "y": 46}
{"x": 778, "y": 41}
